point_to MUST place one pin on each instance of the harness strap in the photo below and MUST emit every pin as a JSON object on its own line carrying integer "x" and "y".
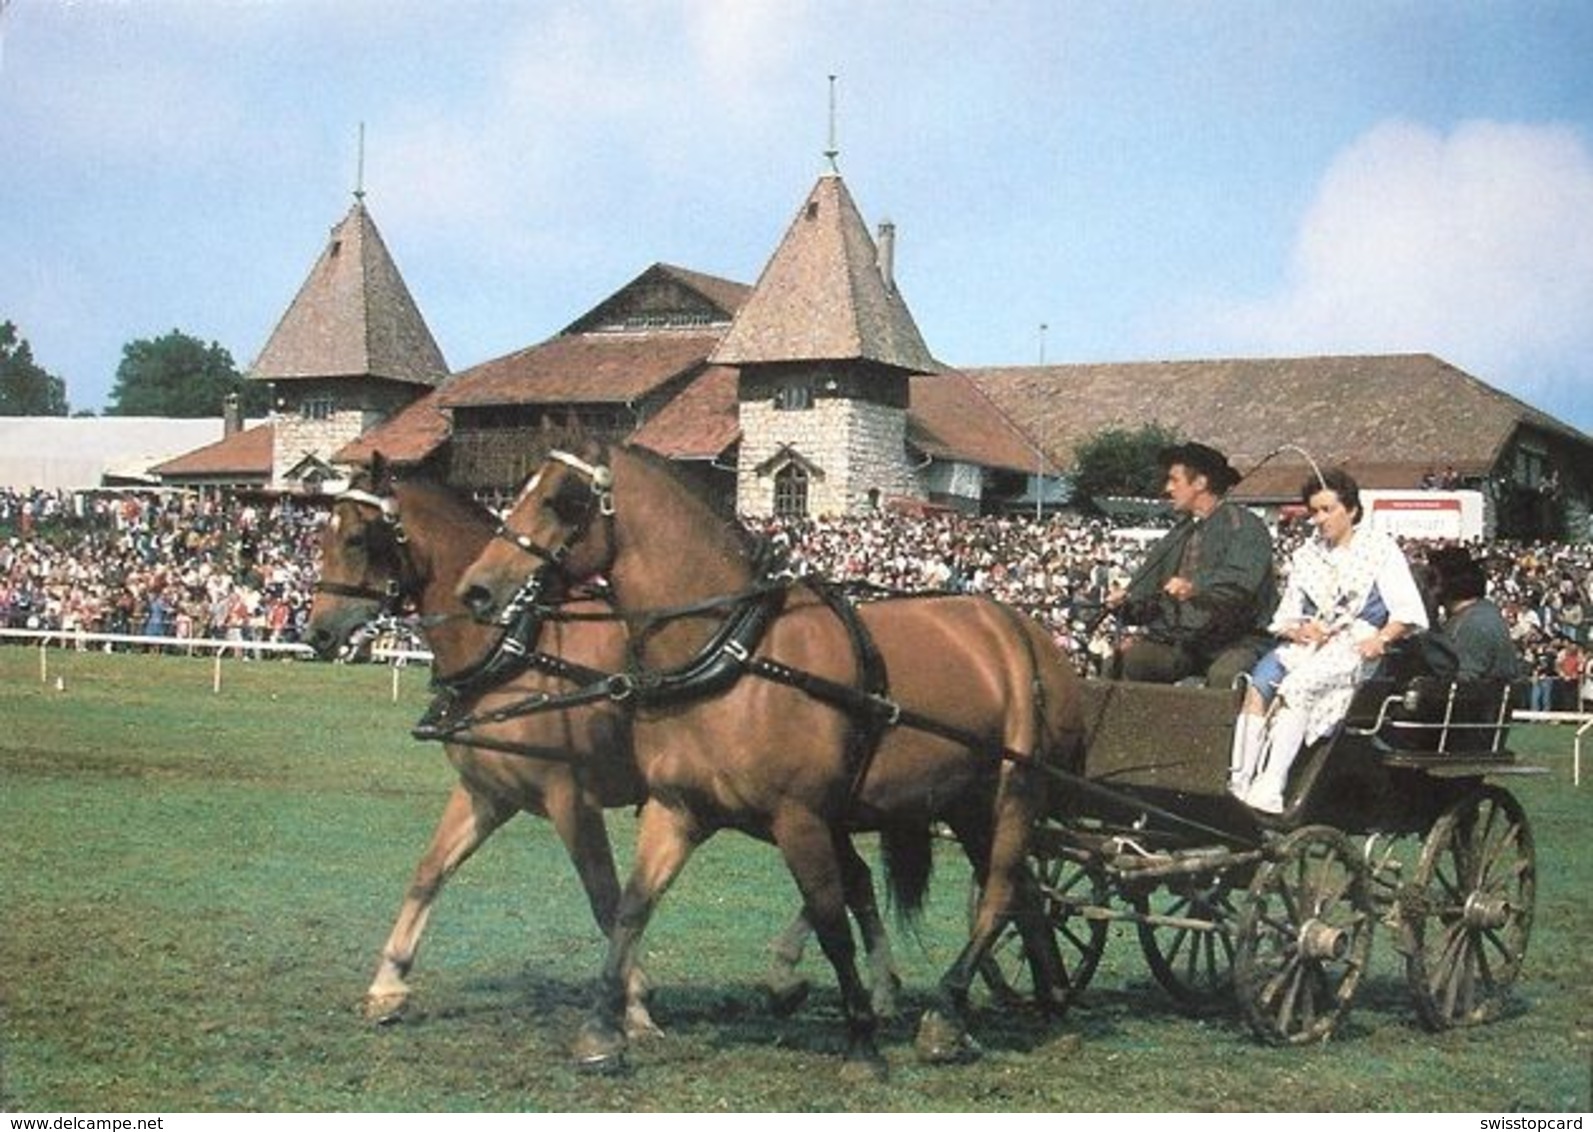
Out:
{"x": 390, "y": 593}
{"x": 864, "y": 733}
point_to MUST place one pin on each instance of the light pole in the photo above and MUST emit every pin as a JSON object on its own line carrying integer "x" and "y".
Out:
{"x": 1039, "y": 449}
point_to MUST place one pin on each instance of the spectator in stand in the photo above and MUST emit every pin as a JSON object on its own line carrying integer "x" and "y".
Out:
{"x": 1541, "y": 659}
{"x": 1568, "y": 675}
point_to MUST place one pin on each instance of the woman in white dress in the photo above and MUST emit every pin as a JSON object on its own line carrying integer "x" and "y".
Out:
{"x": 1350, "y": 594}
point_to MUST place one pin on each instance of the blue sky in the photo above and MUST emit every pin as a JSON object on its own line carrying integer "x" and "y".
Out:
{"x": 1147, "y": 180}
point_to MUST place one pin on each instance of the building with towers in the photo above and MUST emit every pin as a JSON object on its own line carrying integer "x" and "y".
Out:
{"x": 350, "y": 351}
{"x": 813, "y": 392}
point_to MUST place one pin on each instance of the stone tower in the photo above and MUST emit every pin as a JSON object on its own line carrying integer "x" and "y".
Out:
{"x": 825, "y": 347}
{"x": 351, "y": 350}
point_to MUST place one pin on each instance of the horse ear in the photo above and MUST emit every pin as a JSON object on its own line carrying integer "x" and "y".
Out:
{"x": 380, "y": 471}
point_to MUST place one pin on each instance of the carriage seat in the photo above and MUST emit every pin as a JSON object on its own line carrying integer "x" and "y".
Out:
{"x": 1426, "y": 714}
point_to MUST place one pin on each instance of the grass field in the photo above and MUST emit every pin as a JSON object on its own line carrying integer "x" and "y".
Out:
{"x": 196, "y": 884}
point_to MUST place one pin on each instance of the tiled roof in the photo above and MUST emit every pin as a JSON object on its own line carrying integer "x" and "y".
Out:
{"x": 245, "y": 453}
{"x": 822, "y": 296}
{"x": 700, "y": 423}
{"x": 950, "y": 417}
{"x": 728, "y": 295}
{"x": 582, "y": 369}
{"x": 1410, "y": 411}
{"x": 353, "y": 317}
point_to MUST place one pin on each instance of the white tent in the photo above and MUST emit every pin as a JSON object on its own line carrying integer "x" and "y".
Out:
{"x": 79, "y": 452}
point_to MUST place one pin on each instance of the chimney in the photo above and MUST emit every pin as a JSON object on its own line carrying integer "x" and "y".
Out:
{"x": 886, "y": 254}
{"x": 231, "y": 416}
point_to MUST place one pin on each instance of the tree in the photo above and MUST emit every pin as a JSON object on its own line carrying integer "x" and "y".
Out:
{"x": 26, "y": 389}
{"x": 179, "y": 376}
{"x": 1122, "y": 461}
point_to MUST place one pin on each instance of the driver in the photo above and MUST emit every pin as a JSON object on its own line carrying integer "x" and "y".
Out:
{"x": 1200, "y": 601}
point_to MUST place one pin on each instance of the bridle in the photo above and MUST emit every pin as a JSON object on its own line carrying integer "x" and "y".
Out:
{"x": 392, "y": 593}
{"x": 600, "y": 502}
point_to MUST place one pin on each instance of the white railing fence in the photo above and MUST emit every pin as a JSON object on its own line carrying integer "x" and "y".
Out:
{"x": 217, "y": 649}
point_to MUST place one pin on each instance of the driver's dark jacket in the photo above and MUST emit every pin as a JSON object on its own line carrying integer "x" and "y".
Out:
{"x": 1228, "y": 557}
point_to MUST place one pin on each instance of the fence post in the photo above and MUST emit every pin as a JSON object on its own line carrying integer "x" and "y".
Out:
{"x": 215, "y": 680}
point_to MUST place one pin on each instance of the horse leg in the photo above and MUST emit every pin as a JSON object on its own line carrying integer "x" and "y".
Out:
{"x": 467, "y": 820}
{"x": 810, "y": 849}
{"x": 581, "y": 827}
{"x": 859, "y": 882}
{"x": 665, "y": 840}
{"x": 787, "y": 990}
{"x": 1008, "y": 893}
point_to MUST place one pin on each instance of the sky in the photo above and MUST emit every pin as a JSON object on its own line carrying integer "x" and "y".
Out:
{"x": 1070, "y": 180}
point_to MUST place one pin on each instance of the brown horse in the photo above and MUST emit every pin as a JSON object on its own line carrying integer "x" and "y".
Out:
{"x": 974, "y": 697}
{"x": 391, "y": 541}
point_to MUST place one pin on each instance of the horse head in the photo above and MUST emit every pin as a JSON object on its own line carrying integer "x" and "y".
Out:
{"x": 551, "y": 535}
{"x": 364, "y": 567}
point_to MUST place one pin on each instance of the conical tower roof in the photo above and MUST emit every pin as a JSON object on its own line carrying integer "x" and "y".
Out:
{"x": 353, "y": 317}
{"x": 823, "y": 297}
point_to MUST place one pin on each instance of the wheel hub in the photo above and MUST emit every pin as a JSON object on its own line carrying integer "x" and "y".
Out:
{"x": 1318, "y": 940}
{"x": 1485, "y": 912}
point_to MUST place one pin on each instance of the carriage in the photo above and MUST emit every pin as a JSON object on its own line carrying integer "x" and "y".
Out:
{"x": 779, "y": 707}
{"x": 1393, "y": 824}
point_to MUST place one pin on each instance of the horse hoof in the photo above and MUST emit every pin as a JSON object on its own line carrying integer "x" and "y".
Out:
{"x": 941, "y": 1041}
{"x": 787, "y": 998}
{"x": 602, "y": 1065}
{"x": 598, "y": 1048}
{"x": 386, "y": 1009}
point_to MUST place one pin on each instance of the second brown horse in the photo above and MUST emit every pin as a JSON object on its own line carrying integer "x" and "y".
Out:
{"x": 778, "y": 762}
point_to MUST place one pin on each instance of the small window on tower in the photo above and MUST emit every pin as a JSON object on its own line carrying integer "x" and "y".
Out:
{"x": 317, "y": 408}
{"x": 791, "y": 398}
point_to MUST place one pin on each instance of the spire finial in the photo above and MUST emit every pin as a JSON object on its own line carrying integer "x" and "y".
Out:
{"x": 359, "y": 175}
{"x": 832, "y": 152}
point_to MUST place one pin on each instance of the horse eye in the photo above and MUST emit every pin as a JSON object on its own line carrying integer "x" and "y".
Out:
{"x": 357, "y": 541}
{"x": 567, "y": 504}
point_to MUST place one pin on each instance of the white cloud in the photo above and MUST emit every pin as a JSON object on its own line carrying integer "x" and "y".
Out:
{"x": 1476, "y": 246}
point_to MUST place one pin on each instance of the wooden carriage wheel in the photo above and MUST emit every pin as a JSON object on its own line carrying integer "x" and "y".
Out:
{"x": 1071, "y": 887}
{"x": 1304, "y": 937}
{"x": 1194, "y": 964}
{"x": 1468, "y": 911}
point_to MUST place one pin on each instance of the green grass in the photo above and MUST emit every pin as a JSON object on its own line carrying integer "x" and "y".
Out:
{"x": 196, "y": 885}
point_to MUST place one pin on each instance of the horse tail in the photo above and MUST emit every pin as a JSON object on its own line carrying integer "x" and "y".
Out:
{"x": 907, "y": 849}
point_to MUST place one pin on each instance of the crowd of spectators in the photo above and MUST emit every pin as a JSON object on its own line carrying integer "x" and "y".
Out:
{"x": 181, "y": 566}
{"x": 153, "y": 564}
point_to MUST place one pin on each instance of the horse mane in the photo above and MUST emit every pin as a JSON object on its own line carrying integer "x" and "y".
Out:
{"x": 451, "y": 496}
{"x": 745, "y": 540}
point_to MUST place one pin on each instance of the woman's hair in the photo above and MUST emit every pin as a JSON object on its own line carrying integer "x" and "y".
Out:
{"x": 1341, "y": 484}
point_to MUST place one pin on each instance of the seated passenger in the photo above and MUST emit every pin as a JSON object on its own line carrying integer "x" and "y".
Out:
{"x": 1349, "y": 596}
{"x": 1200, "y": 599}
{"x": 1471, "y": 622}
